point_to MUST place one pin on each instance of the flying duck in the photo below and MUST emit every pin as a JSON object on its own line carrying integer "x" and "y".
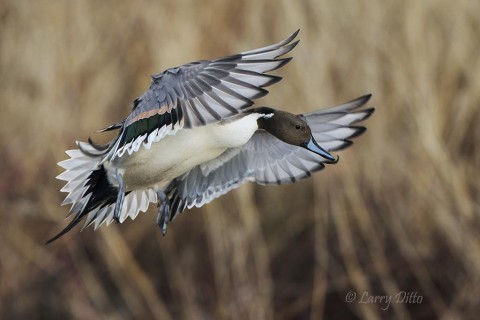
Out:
{"x": 194, "y": 135}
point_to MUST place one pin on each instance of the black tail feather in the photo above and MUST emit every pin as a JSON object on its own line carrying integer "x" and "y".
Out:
{"x": 102, "y": 194}
{"x": 73, "y": 223}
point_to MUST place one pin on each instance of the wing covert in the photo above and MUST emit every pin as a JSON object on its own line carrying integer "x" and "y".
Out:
{"x": 200, "y": 93}
{"x": 268, "y": 160}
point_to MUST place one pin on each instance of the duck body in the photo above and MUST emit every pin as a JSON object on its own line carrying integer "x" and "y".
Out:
{"x": 177, "y": 154}
{"x": 194, "y": 136}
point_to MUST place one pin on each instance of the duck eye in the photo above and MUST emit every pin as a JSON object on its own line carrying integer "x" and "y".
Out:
{"x": 297, "y": 127}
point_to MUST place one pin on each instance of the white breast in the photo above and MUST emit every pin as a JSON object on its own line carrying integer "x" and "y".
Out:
{"x": 176, "y": 154}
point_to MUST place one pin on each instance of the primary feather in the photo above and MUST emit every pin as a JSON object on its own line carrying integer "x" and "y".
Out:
{"x": 191, "y": 138}
{"x": 192, "y": 95}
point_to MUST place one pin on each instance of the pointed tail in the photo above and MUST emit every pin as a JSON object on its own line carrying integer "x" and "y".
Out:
{"x": 87, "y": 184}
{"x": 90, "y": 192}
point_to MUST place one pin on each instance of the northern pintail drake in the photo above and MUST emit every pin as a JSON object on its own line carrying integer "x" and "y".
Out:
{"x": 193, "y": 136}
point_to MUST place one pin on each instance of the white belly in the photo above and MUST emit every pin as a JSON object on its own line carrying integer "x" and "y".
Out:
{"x": 176, "y": 154}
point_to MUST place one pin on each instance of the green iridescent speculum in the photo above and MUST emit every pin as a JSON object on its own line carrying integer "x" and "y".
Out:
{"x": 146, "y": 126}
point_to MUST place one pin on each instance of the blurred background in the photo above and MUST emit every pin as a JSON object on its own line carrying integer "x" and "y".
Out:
{"x": 399, "y": 214}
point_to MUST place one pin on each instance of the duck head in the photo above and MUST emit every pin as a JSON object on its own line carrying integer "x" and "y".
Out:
{"x": 292, "y": 129}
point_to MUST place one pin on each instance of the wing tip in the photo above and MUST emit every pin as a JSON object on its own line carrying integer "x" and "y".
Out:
{"x": 346, "y": 143}
{"x": 362, "y": 100}
{"x": 273, "y": 79}
{"x": 283, "y": 62}
{"x": 289, "y": 47}
{"x": 359, "y": 130}
{"x": 261, "y": 93}
{"x": 284, "y": 43}
{"x": 368, "y": 113}
{"x": 291, "y": 37}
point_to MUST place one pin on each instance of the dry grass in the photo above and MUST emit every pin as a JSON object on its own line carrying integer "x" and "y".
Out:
{"x": 400, "y": 212}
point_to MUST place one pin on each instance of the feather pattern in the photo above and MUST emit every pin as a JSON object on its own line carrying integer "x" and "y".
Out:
{"x": 81, "y": 184}
{"x": 223, "y": 148}
{"x": 192, "y": 95}
{"x": 200, "y": 93}
{"x": 265, "y": 159}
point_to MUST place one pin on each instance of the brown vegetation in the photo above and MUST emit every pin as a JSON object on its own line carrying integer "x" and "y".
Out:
{"x": 399, "y": 212}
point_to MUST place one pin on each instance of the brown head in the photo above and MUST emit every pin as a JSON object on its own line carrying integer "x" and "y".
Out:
{"x": 290, "y": 128}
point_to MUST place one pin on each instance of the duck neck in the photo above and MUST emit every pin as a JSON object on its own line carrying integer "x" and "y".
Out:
{"x": 264, "y": 120}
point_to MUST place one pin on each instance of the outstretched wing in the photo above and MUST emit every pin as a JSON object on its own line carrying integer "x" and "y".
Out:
{"x": 200, "y": 93}
{"x": 268, "y": 160}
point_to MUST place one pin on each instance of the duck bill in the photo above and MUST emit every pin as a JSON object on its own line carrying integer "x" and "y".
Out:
{"x": 313, "y": 146}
